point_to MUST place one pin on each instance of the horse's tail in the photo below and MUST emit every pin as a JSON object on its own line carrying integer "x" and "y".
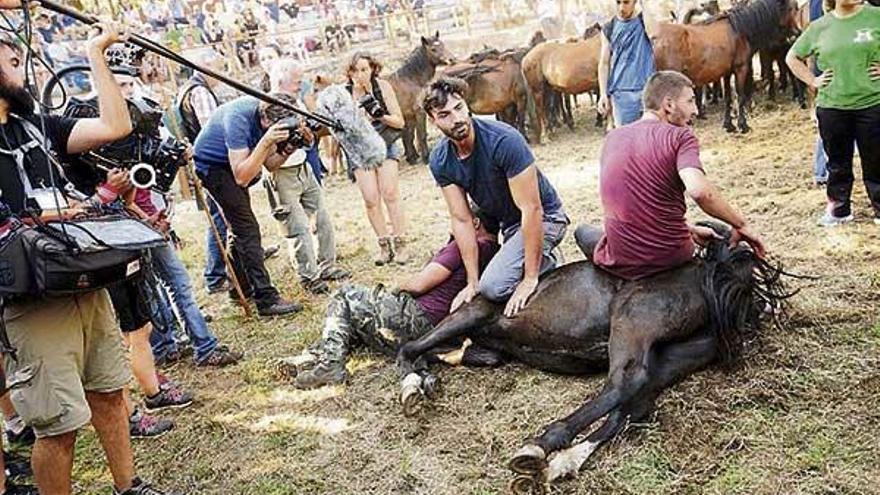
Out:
{"x": 739, "y": 289}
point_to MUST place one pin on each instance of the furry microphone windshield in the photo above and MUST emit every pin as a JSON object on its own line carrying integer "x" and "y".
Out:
{"x": 364, "y": 147}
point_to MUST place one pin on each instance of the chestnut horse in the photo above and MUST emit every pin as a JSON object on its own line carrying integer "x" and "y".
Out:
{"x": 495, "y": 85}
{"x": 570, "y": 68}
{"x": 710, "y": 51}
{"x": 417, "y": 71}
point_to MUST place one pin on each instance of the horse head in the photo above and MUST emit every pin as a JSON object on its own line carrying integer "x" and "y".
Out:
{"x": 436, "y": 50}
{"x": 591, "y": 31}
{"x": 739, "y": 289}
{"x": 790, "y": 20}
{"x": 537, "y": 38}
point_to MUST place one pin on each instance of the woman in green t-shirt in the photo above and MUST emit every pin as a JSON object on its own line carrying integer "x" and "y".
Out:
{"x": 846, "y": 45}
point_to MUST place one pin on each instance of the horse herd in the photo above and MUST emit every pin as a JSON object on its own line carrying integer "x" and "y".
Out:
{"x": 532, "y": 87}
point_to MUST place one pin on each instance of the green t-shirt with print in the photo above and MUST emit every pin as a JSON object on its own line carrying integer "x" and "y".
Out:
{"x": 848, "y": 46}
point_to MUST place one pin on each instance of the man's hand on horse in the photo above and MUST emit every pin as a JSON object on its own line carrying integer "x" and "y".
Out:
{"x": 744, "y": 234}
{"x": 520, "y": 297}
{"x": 465, "y": 296}
{"x": 703, "y": 235}
{"x": 874, "y": 71}
{"x": 823, "y": 79}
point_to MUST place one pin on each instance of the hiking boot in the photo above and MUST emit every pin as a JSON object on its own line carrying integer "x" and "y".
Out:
{"x": 143, "y": 425}
{"x": 320, "y": 375}
{"x": 315, "y": 286}
{"x": 221, "y": 356}
{"x": 140, "y": 487}
{"x": 385, "y": 254}
{"x": 270, "y": 252}
{"x": 279, "y": 308}
{"x": 332, "y": 272}
{"x": 174, "y": 356}
{"x": 14, "y": 489}
{"x": 16, "y": 466}
{"x": 829, "y": 220}
{"x": 171, "y": 397}
{"x": 401, "y": 252}
{"x": 23, "y": 438}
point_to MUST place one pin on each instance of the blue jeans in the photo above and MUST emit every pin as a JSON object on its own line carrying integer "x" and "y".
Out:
{"x": 165, "y": 337}
{"x": 215, "y": 267}
{"x": 505, "y": 271}
{"x": 627, "y": 107}
{"x": 171, "y": 272}
{"x": 820, "y": 163}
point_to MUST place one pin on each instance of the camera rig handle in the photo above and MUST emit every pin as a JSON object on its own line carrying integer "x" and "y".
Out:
{"x": 152, "y": 46}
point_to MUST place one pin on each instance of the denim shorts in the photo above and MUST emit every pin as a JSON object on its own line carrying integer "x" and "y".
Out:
{"x": 393, "y": 151}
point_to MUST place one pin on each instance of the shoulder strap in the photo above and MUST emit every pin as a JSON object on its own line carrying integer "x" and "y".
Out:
{"x": 19, "y": 153}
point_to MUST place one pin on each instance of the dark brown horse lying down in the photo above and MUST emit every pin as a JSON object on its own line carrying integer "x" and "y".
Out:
{"x": 649, "y": 334}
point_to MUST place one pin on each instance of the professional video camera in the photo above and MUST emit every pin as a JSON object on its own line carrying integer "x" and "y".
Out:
{"x": 372, "y": 106}
{"x": 152, "y": 160}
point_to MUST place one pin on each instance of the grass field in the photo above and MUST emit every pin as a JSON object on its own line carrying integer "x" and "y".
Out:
{"x": 799, "y": 416}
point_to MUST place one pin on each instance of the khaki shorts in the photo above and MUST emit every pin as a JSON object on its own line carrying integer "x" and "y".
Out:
{"x": 66, "y": 346}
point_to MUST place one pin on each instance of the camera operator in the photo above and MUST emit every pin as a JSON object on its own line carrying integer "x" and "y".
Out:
{"x": 301, "y": 196}
{"x": 230, "y": 151}
{"x": 69, "y": 348}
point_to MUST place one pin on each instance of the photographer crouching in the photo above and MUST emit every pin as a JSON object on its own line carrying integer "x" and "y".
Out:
{"x": 242, "y": 137}
{"x": 70, "y": 358}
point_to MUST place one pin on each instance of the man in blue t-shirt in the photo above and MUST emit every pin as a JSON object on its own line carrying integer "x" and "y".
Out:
{"x": 240, "y": 138}
{"x": 626, "y": 61}
{"x": 491, "y": 162}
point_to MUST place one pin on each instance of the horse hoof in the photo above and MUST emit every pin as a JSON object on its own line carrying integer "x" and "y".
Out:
{"x": 526, "y": 485}
{"x": 431, "y": 386}
{"x": 412, "y": 400}
{"x": 745, "y": 130}
{"x": 730, "y": 128}
{"x": 530, "y": 460}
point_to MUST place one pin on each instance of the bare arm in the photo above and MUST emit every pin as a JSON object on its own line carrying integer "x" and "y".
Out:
{"x": 709, "y": 199}
{"x": 114, "y": 122}
{"x": 604, "y": 68}
{"x": 463, "y": 231}
{"x": 432, "y": 275}
{"x": 524, "y": 191}
{"x": 395, "y": 115}
{"x": 246, "y": 164}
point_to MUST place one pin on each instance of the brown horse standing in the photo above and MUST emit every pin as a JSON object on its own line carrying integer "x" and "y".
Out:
{"x": 417, "y": 70}
{"x": 708, "y": 52}
{"x": 571, "y": 68}
{"x": 496, "y": 85}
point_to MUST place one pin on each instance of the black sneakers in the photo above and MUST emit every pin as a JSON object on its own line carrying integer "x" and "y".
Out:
{"x": 14, "y": 489}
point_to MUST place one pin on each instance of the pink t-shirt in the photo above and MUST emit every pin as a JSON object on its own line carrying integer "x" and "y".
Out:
{"x": 643, "y": 198}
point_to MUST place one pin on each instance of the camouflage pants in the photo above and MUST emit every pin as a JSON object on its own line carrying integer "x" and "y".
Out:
{"x": 375, "y": 318}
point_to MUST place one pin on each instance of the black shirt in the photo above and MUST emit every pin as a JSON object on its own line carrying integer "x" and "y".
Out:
{"x": 36, "y": 164}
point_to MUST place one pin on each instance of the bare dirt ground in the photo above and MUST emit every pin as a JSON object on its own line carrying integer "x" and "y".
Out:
{"x": 800, "y": 416}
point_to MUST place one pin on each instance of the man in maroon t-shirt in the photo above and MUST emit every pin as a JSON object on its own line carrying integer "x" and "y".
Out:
{"x": 383, "y": 320}
{"x": 646, "y": 169}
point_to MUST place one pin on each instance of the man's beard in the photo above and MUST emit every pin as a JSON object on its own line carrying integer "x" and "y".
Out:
{"x": 18, "y": 99}
{"x": 458, "y": 132}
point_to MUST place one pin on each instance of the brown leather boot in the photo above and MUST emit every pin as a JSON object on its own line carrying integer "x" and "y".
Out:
{"x": 385, "y": 254}
{"x": 401, "y": 252}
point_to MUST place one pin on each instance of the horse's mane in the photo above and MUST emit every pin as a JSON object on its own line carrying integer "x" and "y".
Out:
{"x": 738, "y": 287}
{"x": 416, "y": 64}
{"x": 486, "y": 53}
{"x": 758, "y": 21}
{"x": 469, "y": 72}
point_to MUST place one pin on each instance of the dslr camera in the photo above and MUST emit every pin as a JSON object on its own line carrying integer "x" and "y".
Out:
{"x": 296, "y": 139}
{"x": 372, "y": 106}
